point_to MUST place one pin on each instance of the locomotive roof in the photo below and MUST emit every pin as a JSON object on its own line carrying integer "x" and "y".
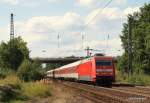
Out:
{"x": 104, "y": 57}
{"x": 74, "y": 64}
{"x": 82, "y": 61}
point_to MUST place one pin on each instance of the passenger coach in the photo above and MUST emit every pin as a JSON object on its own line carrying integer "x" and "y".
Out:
{"x": 96, "y": 69}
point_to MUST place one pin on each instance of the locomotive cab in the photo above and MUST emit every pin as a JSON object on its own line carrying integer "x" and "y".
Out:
{"x": 105, "y": 70}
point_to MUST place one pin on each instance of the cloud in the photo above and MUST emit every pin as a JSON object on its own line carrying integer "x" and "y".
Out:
{"x": 113, "y": 49}
{"x": 55, "y": 1}
{"x": 4, "y": 34}
{"x": 25, "y": 3}
{"x": 86, "y": 2}
{"x": 90, "y": 3}
{"x": 11, "y": 2}
{"x": 39, "y": 28}
{"x": 99, "y": 14}
{"x": 120, "y": 2}
{"x": 131, "y": 10}
{"x": 41, "y": 32}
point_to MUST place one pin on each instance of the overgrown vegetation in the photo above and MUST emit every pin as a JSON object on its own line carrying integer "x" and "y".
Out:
{"x": 50, "y": 66}
{"x": 18, "y": 74}
{"x": 140, "y": 47}
{"x": 11, "y": 80}
{"x": 14, "y": 58}
{"x": 139, "y": 79}
{"x": 13, "y": 53}
{"x": 9, "y": 88}
{"x": 29, "y": 71}
{"x": 13, "y": 88}
{"x": 36, "y": 89}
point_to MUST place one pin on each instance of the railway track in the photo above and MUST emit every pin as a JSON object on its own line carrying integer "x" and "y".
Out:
{"x": 123, "y": 85}
{"x": 108, "y": 95}
{"x": 136, "y": 89}
{"x": 94, "y": 95}
{"x": 120, "y": 94}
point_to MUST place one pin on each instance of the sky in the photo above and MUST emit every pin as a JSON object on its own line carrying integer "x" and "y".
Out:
{"x": 79, "y": 24}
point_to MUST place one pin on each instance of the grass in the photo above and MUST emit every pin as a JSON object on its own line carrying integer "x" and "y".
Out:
{"x": 139, "y": 79}
{"x": 17, "y": 101}
{"x": 15, "y": 90}
{"x": 36, "y": 89}
{"x": 10, "y": 88}
{"x": 11, "y": 80}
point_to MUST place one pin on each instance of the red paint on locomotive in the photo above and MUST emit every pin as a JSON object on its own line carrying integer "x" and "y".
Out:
{"x": 94, "y": 69}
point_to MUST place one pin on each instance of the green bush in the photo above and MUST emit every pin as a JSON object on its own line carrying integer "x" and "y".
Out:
{"x": 29, "y": 71}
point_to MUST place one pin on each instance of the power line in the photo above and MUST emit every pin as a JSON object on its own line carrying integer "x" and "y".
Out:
{"x": 83, "y": 36}
{"x": 97, "y": 14}
{"x": 107, "y": 40}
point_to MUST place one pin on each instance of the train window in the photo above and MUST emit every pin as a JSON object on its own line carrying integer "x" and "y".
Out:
{"x": 103, "y": 63}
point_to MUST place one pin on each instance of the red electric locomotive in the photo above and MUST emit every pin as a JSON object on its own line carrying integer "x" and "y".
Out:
{"x": 96, "y": 69}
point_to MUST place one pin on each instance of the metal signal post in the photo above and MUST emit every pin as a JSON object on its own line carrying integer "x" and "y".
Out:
{"x": 88, "y": 51}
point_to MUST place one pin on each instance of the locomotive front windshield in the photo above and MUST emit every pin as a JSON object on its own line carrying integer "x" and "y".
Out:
{"x": 103, "y": 63}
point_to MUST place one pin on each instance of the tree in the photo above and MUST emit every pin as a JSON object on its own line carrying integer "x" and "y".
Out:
{"x": 29, "y": 71}
{"x": 13, "y": 53}
{"x": 51, "y": 66}
{"x": 140, "y": 40}
{"x": 122, "y": 63}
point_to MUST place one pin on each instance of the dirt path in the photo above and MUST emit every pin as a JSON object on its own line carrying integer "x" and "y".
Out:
{"x": 61, "y": 94}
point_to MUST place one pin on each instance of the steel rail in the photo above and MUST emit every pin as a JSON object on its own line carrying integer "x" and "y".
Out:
{"x": 99, "y": 96}
{"x": 119, "y": 96}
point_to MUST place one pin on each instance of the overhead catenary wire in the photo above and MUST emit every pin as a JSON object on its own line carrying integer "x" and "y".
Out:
{"x": 83, "y": 36}
{"x": 96, "y": 15}
{"x": 84, "y": 27}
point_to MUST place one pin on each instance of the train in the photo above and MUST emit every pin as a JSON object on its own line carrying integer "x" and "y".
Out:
{"x": 96, "y": 70}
